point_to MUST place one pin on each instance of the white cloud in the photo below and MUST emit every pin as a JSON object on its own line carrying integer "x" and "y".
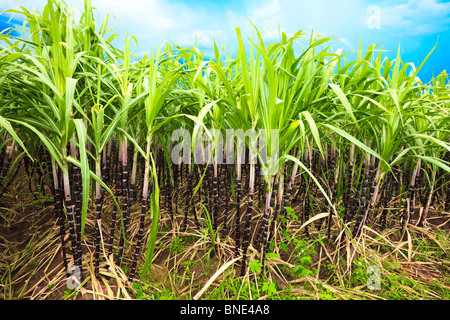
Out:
{"x": 416, "y": 17}
{"x": 154, "y": 21}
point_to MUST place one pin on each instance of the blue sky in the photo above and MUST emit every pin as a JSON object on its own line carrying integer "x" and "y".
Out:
{"x": 414, "y": 24}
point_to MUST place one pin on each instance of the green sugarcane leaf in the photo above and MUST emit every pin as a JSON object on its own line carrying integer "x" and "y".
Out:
{"x": 5, "y": 124}
{"x": 134, "y": 141}
{"x": 432, "y": 139}
{"x": 435, "y": 161}
{"x": 97, "y": 179}
{"x": 343, "y": 98}
{"x": 313, "y": 128}
{"x": 355, "y": 141}
{"x": 54, "y": 152}
{"x": 301, "y": 165}
{"x": 210, "y": 226}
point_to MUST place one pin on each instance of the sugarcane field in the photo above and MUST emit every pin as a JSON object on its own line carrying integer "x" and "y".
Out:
{"x": 273, "y": 170}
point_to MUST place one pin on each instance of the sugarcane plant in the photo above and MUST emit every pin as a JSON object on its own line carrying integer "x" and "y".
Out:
{"x": 349, "y": 144}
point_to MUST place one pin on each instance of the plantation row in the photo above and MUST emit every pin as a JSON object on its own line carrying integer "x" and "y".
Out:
{"x": 360, "y": 140}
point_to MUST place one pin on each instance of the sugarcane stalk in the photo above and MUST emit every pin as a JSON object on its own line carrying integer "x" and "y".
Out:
{"x": 237, "y": 223}
{"x": 144, "y": 205}
{"x": 278, "y": 202}
{"x": 76, "y": 173}
{"x": 188, "y": 199}
{"x": 263, "y": 244}
{"x": 226, "y": 182}
{"x": 220, "y": 192}
{"x": 332, "y": 186}
{"x": 70, "y": 208}
{"x": 248, "y": 216}
{"x": 354, "y": 202}
{"x": 58, "y": 196}
{"x": 288, "y": 194}
{"x": 117, "y": 193}
{"x": 430, "y": 196}
{"x": 350, "y": 175}
{"x": 98, "y": 217}
{"x": 410, "y": 195}
{"x": 362, "y": 200}
{"x": 124, "y": 199}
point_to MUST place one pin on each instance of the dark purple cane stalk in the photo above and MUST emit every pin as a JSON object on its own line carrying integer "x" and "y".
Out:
{"x": 220, "y": 214}
{"x": 58, "y": 196}
{"x": 419, "y": 189}
{"x": 124, "y": 200}
{"x": 348, "y": 185}
{"x": 237, "y": 223}
{"x": 229, "y": 150}
{"x": 248, "y": 216}
{"x": 210, "y": 177}
{"x": 405, "y": 213}
{"x": 98, "y": 217}
{"x": 387, "y": 192}
{"x": 132, "y": 189}
{"x": 177, "y": 187}
{"x": 278, "y": 202}
{"x": 306, "y": 205}
{"x": 215, "y": 198}
{"x": 103, "y": 171}
{"x": 373, "y": 191}
{"x": 414, "y": 194}
{"x": 70, "y": 208}
{"x": 114, "y": 209}
{"x": 144, "y": 205}
{"x": 284, "y": 198}
{"x": 307, "y": 158}
{"x": 259, "y": 238}
{"x": 409, "y": 203}
{"x": 308, "y": 191}
{"x": 189, "y": 201}
{"x": 354, "y": 202}
{"x": 77, "y": 196}
{"x": 289, "y": 188}
{"x": 197, "y": 177}
{"x": 362, "y": 200}
{"x": 114, "y": 162}
{"x": 396, "y": 185}
{"x": 332, "y": 187}
{"x": 258, "y": 181}
{"x": 170, "y": 189}
{"x": 265, "y": 224}
{"x": 225, "y": 186}
{"x": 429, "y": 200}
{"x": 107, "y": 168}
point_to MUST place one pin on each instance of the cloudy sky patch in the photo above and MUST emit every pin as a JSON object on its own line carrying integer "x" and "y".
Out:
{"x": 415, "y": 24}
